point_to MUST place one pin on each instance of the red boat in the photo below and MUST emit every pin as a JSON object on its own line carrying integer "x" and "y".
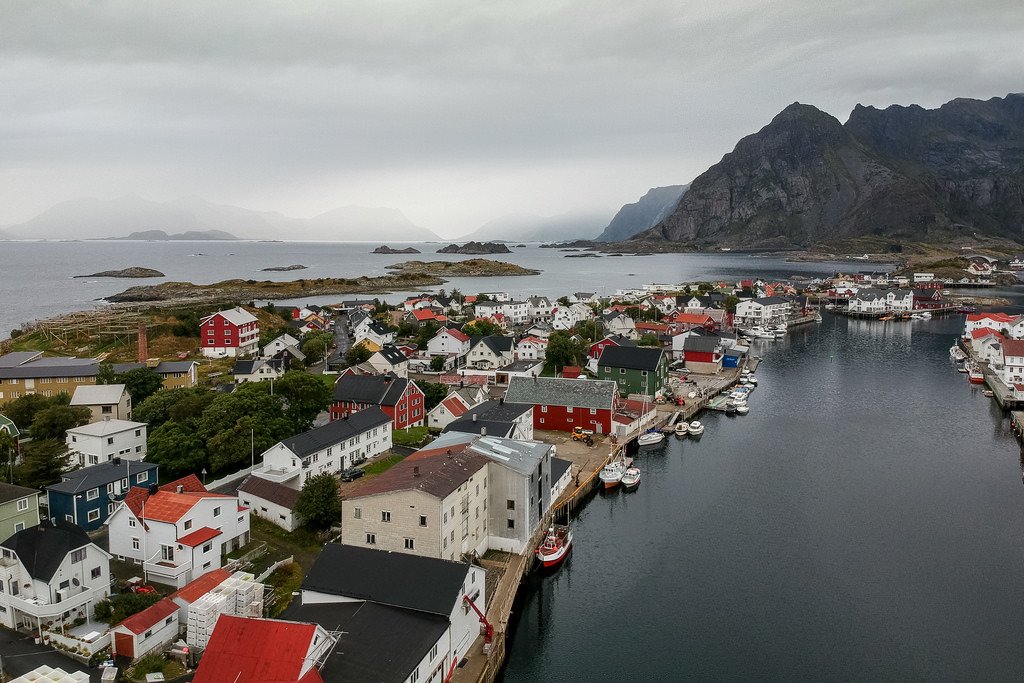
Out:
{"x": 555, "y": 546}
{"x": 974, "y": 375}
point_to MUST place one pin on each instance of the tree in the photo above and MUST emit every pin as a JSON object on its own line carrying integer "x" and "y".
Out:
{"x": 305, "y": 395}
{"x": 319, "y": 503}
{"x": 42, "y": 463}
{"x": 117, "y": 608}
{"x": 105, "y": 374}
{"x": 588, "y": 330}
{"x": 564, "y": 350}
{"x": 730, "y": 303}
{"x": 437, "y": 363}
{"x": 649, "y": 339}
{"x": 141, "y": 383}
{"x": 563, "y": 301}
{"x": 8, "y": 453}
{"x": 177, "y": 448}
{"x": 481, "y": 328}
{"x": 21, "y": 411}
{"x": 426, "y": 333}
{"x": 235, "y": 423}
{"x": 188, "y": 324}
{"x": 315, "y": 346}
{"x": 407, "y": 329}
{"x": 54, "y": 421}
{"x": 433, "y": 393}
{"x": 357, "y": 354}
{"x": 173, "y": 404}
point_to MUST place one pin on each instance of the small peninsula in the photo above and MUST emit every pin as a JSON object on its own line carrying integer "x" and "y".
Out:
{"x": 474, "y": 267}
{"x": 133, "y": 272}
{"x": 476, "y": 248}
{"x": 385, "y": 249}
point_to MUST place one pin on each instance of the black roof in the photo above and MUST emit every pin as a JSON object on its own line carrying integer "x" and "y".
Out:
{"x": 377, "y": 642}
{"x": 243, "y": 367}
{"x": 377, "y": 328}
{"x": 383, "y": 390}
{"x": 481, "y": 427}
{"x": 498, "y": 410}
{"x": 424, "y": 584}
{"x": 42, "y": 548}
{"x": 497, "y": 417}
{"x": 100, "y": 475}
{"x": 631, "y": 358}
{"x": 335, "y": 432}
{"x": 558, "y": 468}
{"x": 498, "y": 343}
{"x": 700, "y": 344}
{"x": 392, "y": 354}
{"x": 9, "y": 492}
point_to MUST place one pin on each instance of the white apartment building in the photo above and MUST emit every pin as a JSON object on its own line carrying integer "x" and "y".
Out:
{"x": 99, "y": 442}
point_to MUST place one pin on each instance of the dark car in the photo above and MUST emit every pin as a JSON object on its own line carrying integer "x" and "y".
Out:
{"x": 351, "y": 474}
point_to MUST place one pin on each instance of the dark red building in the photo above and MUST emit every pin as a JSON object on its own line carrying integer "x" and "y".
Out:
{"x": 235, "y": 332}
{"x": 563, "y": 404}
{"x": 614, "y": 340}
{"x": 400, "y": 398}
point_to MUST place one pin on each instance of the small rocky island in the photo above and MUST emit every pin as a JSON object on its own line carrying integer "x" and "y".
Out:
{"x": 476, "y": 248}
{"x": 133, "y": 272}
{"x": 474, "y": 267}
{"x": 283, "y": 269}
{"x": 385, "y": 249}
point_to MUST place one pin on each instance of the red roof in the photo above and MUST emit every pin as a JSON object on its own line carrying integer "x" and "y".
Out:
{"x": 457, "y": 334}
{"x": 199, "y": 536}
{"x": 653, "y": 327}
{"x": 571, "y": 371}
{"x": 468, "y": 380}
{"x": 189, "y": 483}
{"x": 997, "y": 317}
{"x": 257, "y": 650}
{"x": 422, "y": 314}
{"x": 1013, "y": 347}
{"x": 201, "y": 586}
{"x": 150, "y": 617}
{"x": 984, "y": 332}
{"x": 455, "y": 405}
{"x": 692, "y": 319}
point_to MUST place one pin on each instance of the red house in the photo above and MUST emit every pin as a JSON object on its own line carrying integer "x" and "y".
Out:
{"x": 400, "y": 398}
{"x": 926, "y": 299}
{"x": 563, "y": 404}
{"x": 235, "y": 332}
{"x": 614, "y": 340}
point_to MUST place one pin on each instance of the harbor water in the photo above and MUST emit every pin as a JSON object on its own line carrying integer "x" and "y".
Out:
{"x": 864, "y": 521}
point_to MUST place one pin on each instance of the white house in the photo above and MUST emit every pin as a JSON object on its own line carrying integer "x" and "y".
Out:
{"x": 491, "y": 352}
{"x": 51, "y": 572}
{"x": 430, "y": 608}
{"x": 762, "y": 311}
{"x": 106, "y": 401}
{"x": 177, "y": 532}
{"x": 900, "y": 299}
{"x": 621, "y": 324}
{"x": 1012, "y": 371}
{"x": 567, "y": 317}
{"x": 334, "y": 447}
{"x": 279, "y": 344}
{"x": 868, "y": 301}
{"x": 389, "y": 359}
{"x": 532, "y": 348}
{"x": 539, "y": 308}
{"x": 146, "y": 631}
{"x": 373, "y": 335}
{"x": 259, "y": 370}
{"x": 102, "y": 441}
{"x": 454, "y": 406}
{"x": 448, "y": 342}
{"x": 588, "y": 298}
{"x": 518, "y": 312}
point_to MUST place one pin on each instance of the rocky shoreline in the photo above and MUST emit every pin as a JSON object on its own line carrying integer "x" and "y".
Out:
{"x": 385, "y": 249}
{"x": 476, "y": 248}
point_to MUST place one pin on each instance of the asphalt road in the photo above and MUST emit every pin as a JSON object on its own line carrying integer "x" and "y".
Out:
{"x": 19, "y": 655}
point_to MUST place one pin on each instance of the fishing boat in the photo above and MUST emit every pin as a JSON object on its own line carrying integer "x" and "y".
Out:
{"x": 681, "y": 428}
{"x": 651, "y": 437}
{"x": 961, "y": 368}
{"x": 695, "y": 428}
{"x": 974, "y": 375}
{"x": 631, "y": 478}
{"x": 742, "y": 409}
{"x": 967, "y": 309}
{"x": 956, "y": 353}
{"x": 611, "y": 474}
{"x": 556, "y": 546}
{"x": 926, "y": 315}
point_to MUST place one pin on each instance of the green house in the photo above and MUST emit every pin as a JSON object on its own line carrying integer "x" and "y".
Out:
{"x": 636, "y": 369}
{"x": 19, "y": 509}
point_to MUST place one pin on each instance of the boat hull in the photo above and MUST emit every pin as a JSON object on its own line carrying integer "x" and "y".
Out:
{"x": 552, "y": 555}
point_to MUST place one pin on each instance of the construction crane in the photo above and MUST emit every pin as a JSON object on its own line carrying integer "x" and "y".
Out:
{"x": 488, "y": 629}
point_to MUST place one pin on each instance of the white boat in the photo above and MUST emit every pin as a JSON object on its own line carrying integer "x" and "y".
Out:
{"x": 761, "y": 333}
{"x": 752, "y": 380}
{"x": 779, "y": 331}
{"x": 611, "y": 474}
{"x": 956, "y": 353}
{"x": 556, "y": 545}
{"x": 742, "y": 408}
{"x": 926, "y": 315}
{"x": 631, "y": 478}
{"x": 650, "y": 438}
{"x": 695, "y": 428}
{"x": 682, "y": 429}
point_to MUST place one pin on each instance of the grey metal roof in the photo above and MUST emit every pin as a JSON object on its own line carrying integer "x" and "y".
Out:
{"x": 383, "y": 389}
{"x": 392, "y": 355}
{"x": 555, "y": 391}
{"x": 700, "y": 344}
{"x": 636, "y": 358}
{"x": 97, "y": 394}
{"x": 335, "y": 432}
{"x": 424, "y": 584}
{"x": 100, "y": 475}
{"x": 521, "y": 456}
{"x": 14, "y": 358}
{"x": 282, "y": 495}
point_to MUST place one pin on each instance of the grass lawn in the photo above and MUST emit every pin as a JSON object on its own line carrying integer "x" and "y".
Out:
{"x": 409, "y": 437}
{"x": 285, "y": 581}
{"x": 383, "y": 465}
{"x": 153, "y": 663}
{"x": 328, "y": 380}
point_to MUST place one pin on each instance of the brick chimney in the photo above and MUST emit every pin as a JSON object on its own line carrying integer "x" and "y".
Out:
{"x": 143, "y": 344}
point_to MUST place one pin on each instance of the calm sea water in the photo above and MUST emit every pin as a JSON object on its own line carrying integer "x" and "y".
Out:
{"x": 864, "y": 521}
{"x": 37, "y": 280}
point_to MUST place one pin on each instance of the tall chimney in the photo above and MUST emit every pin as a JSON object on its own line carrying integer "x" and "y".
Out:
{"x": 143, "y": 344}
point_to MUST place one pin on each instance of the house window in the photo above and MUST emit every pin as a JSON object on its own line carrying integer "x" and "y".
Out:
{"x": 543, "y": 409}
{"x": 415, "y": 675}
{"x": 92, "y": 494}
{"x": 131, "y": 522}
{"x": 138, "y": 432}
{"x": 510, "y": 504}
{"x": 124, "y": 484}
{"x": 23, "y": 505}
{"x": 188, "y": 524}
{"x": 106, "y": 411}
{"x": 410, "y": 544}
{"x": 110, "y": 441}
{"x": 357, "y": 513}
{"x": 110, "y": 487}
{"x": 385, "y": 516}
{"x": 94, "y": 515}
{"x": 20, "y": 526}
{"x": 511, "y": 523}
{"x": 141, "y": 477}
{"x": 79, "y": 555}
{"x": 423, "y": 520}
{"x": 433, "y": 652}
{"x": 167, "y": 553}
{"x": 568, "y": 409}
{"x": 110, "y": 508}
{"x": 371, "y": 539}
{"x": 208, "y": 547}
{"x": 95, "y": 573}
{"x": 216, "y": 511}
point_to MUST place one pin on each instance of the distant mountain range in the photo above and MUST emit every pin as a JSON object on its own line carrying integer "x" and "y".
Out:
{"x": 160, "y": 235}
{"x": 523, "y": 227}
{"x": 644, "y": 214}
{"x": 902, "y": 173}
{"x": 118, "y": 218}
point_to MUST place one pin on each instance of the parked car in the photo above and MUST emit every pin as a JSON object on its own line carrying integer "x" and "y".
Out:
{"x": 351, "y": 474}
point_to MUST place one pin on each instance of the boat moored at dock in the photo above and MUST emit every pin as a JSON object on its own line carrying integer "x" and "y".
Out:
{"x": 695, "y": 428}
{"x": 555, "y": 547}
{"x": 631, "y": 478}
{"x": 611, "y": 474}
{"x": 651, "y": 437}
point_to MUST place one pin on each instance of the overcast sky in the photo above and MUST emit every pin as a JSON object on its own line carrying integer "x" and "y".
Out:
{"x": 454, "y": 112}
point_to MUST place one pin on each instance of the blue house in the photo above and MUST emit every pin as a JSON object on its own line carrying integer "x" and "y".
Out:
{"x": 732, "y": 358}
{"x": 86, "y": 497}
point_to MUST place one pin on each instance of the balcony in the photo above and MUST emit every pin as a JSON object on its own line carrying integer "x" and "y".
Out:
{"x": 278, "y": 474}
{"x": 42, "y": 608}
{"x": 168, "y": 569}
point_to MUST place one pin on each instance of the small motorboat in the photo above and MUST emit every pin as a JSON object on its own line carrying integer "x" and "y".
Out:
{"x": 730, "y": 409}
{"x": 752, "y": 381}
{"x": 742, "y": 409}
{"x": 682, "y": 429}
{"x": 631, "y": 478}
{"x": 611, "y": 474}
{"x": 650, "y": 438}
{"x": 556, "y": 546}
{"x": 926, "y": 315}
{"x": 695, "y": 428}
{"x": 974, "y": 375}
{"x": 956, "y": 353}
{"x": 987, "y": 392}
{"x": 779, "y": 331}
